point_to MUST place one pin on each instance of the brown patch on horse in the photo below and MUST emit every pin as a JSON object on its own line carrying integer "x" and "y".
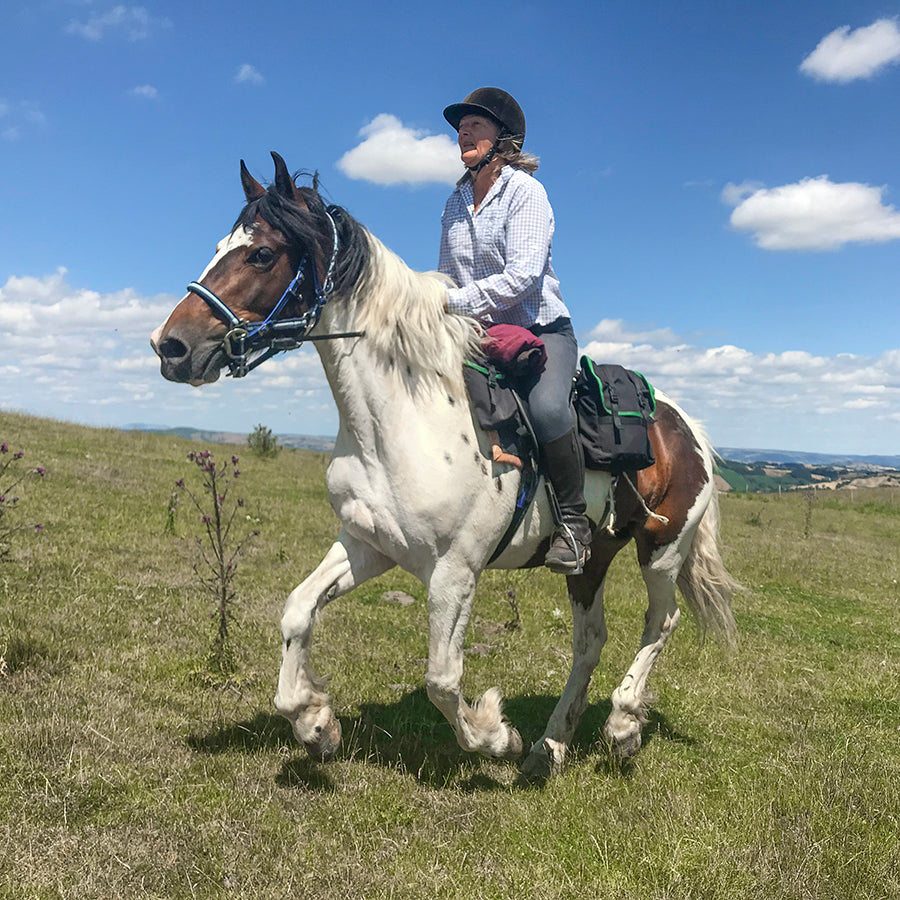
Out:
{"x": 671, "y": 485}
{"x": 249, "y": 285}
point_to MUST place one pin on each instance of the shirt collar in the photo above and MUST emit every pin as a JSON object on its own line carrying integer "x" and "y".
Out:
{"x": 468, "y": 194}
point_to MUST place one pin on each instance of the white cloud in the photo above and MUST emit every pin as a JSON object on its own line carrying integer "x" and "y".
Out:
{"x": 392, "y": 153}
{"x": 145, "y": 92}
{"x": 84, "y": 356}
{"x": 814, "y": 214}
{"x": 614, "y": 330}
{"x": 247, "y": 74}
{"x": 81, "y": 355}
{"x": 134, "y": 22}
{"x": 790, "y": 400}
{"x": 846, "y": 55}
{"x": 735, "y": 194}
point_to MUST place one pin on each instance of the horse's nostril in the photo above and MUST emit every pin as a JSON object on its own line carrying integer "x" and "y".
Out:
{"x": 172, "y": 348}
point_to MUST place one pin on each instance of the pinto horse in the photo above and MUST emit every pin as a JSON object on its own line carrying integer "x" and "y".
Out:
{"x": 412, "y": 478}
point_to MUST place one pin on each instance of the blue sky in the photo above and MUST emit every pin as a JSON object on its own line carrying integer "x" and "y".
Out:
{"x": 725, "y": 180}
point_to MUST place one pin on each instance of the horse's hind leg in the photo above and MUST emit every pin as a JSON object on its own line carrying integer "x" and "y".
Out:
{"x": 588, "y": 637}
{"x": 480, "y": 727}
{"x": 301, "y": 697}
{"x": 629, "y": 700}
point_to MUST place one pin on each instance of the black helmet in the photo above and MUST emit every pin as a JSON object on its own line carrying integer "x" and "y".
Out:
{"x": 499, "y": 105}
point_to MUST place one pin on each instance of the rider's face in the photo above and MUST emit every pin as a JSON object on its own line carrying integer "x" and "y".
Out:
{"x": 477, "y": 135}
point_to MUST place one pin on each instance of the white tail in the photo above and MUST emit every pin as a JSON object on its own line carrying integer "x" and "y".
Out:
{"x": 704, "y": 581}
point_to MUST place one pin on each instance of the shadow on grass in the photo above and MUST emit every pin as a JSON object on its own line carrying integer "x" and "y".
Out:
{"x": 412, "y": 736}
{"x": 265, "y": 731}
{"x": 303, "y": 772}
{"x": 21, "y": 651}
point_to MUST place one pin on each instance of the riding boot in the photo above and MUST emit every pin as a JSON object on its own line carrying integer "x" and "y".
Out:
{"x": 570, "y": 547}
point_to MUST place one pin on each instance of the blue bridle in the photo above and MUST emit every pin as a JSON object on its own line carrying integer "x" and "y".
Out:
{"x": 274, "y": 335}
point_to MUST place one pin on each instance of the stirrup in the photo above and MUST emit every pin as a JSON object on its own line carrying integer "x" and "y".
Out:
{"x": 579, "y": 558}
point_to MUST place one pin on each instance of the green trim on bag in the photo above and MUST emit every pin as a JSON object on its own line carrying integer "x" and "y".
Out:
{"x": 588, "y": 363}
{"x": 649, "y": 388}
{"x": 486, "y": 372}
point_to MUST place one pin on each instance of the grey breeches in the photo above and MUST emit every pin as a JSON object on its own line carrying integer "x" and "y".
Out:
{"x": 548, "y": 401}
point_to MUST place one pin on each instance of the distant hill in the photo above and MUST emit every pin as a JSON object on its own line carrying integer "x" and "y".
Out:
{"x": 740, "y": 469}
{"x": 768, "y": 477}
{"x": 299, "y": 441}
{"x": 738, "y": 454}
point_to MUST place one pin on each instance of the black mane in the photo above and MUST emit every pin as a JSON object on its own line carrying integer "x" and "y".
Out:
{"x": 309, "y": 229}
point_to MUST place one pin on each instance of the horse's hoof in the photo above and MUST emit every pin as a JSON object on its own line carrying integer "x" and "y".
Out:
{"x": 326, "y": 743}
{"x": 625, "y": 741}
{"x": 514, "y": 747}
{"x": 543, "y": 762}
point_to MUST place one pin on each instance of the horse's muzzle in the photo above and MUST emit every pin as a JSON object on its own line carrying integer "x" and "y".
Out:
{"x": 177, "y": 362}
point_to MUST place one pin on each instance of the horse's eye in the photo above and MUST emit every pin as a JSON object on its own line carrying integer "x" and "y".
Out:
{"x": 261, "y": 257}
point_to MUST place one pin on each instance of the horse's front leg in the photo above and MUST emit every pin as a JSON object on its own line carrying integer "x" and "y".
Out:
{"x": 481, "y": 727}
{"x": 301, "y": 697}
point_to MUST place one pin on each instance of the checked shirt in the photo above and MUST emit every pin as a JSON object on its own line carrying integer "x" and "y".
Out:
{"x": 500, "y": 255}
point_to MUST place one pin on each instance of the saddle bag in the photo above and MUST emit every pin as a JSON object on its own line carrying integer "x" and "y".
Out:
{"x": 491, "y": 395}
{"x": 615, "y": 407}
{"x": 513, "y": 357}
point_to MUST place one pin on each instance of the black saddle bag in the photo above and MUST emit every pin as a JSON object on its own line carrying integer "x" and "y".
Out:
{"x": 615, "y": 407}
{"x": 490, "y": 393}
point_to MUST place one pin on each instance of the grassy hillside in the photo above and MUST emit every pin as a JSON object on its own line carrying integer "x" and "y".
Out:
{"x": 765, "y": 478}
{"x": 125, "y": 772}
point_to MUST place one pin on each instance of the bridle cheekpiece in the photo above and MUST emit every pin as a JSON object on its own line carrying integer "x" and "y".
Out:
{"x": 274, "y": 335}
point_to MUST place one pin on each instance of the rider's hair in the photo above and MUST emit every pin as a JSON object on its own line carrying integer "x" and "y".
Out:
{"x": 511, "y": 150}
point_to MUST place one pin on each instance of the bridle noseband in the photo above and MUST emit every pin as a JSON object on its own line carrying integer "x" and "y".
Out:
{"x": 274, "y": 335}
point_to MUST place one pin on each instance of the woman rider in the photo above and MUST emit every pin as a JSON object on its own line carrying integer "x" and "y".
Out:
{"x": 496, "y": 235}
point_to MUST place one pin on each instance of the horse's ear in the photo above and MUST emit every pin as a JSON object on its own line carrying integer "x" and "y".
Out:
{"x": 253, "y": 190}
{"x": 284, "y": 184}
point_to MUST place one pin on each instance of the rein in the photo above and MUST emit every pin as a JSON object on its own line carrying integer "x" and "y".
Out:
{"x": 274, "y": 335}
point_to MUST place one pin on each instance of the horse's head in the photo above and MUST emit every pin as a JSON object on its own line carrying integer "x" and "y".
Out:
{"x": 263, "y": 290}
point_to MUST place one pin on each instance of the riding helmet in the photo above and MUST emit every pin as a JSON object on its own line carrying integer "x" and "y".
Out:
{"x": 494, "y": 102}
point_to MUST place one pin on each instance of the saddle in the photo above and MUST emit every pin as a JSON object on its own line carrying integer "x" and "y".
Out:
{"x": 614, "y": 407}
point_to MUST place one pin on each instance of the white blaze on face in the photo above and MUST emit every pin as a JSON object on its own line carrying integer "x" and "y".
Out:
{"x": 240, "y": 238}
{"x": 243, "y": 237}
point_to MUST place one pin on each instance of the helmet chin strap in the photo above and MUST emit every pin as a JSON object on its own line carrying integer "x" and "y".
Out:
{"x": 474, "y": 170}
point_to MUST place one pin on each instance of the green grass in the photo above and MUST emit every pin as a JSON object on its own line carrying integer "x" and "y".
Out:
{"x": 773, "y": 772}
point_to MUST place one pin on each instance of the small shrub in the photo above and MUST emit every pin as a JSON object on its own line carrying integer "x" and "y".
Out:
{"x": 262, "y": 442}
{"x": 11, "y": 477}
{"x": 220, "y": 544}
{"x": 756, "y": 519}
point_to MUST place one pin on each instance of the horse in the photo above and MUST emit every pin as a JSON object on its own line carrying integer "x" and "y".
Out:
{"x": 412, "y": 478}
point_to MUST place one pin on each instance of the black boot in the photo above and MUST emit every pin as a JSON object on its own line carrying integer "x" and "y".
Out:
{"x": 570, "y": 548}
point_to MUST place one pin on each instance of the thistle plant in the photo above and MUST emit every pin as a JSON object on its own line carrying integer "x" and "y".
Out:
{"x": 220, "y": 544}
{"x": 171, "y": 509}
{"x": 11, "y": 477}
